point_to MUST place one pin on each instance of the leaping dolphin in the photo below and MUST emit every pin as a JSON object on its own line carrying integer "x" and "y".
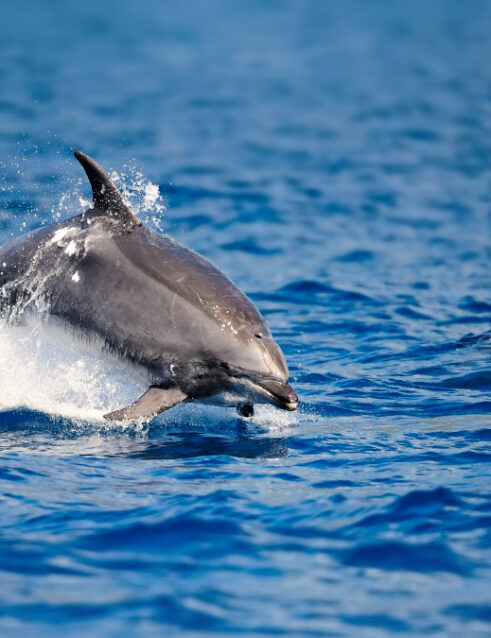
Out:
{"x": 152, "y": 301}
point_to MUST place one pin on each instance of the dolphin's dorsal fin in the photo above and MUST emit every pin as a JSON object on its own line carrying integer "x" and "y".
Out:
{"x": 107, "y": 200}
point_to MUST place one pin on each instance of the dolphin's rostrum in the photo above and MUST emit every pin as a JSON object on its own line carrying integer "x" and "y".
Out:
{"x": 151, "y": 300}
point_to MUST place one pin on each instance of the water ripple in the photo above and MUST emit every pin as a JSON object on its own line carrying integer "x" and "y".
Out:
{"x": 334, "y": 162}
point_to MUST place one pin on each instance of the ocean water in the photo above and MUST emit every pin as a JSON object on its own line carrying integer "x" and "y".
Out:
{"x": 334, "y": 159}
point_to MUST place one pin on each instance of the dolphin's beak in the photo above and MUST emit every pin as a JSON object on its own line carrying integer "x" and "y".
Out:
{"x": 281, "y": 393}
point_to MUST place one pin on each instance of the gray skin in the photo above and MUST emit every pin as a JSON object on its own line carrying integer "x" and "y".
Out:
{"x": 151, "y": 301}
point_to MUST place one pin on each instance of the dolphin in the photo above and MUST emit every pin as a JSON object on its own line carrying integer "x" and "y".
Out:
{"x": 151, "y": 301}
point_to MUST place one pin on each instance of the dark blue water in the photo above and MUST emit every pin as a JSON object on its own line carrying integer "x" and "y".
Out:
{"x": 334, "y": 159}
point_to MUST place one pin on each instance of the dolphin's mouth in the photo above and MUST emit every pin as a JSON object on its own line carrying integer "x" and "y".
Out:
{"x": 279, "y": 392}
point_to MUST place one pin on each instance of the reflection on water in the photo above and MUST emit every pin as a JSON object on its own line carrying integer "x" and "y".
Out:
{"x": 24, "y": 430}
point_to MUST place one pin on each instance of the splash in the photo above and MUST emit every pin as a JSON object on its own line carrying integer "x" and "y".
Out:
{"x": 47, "y": 368}
{"x": 143, "y": 196}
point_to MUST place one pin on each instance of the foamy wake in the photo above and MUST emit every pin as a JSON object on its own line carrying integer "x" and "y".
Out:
{"x": 45, "y": 368}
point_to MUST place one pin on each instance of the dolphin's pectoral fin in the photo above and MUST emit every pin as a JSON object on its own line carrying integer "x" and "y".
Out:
{"x": 154, "y": 401}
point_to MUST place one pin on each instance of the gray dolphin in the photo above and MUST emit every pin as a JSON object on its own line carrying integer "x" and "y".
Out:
{"x": 151, "y": 301}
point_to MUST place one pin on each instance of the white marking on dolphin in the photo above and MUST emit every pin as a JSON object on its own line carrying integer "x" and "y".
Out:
{"x": 153, "y": 302}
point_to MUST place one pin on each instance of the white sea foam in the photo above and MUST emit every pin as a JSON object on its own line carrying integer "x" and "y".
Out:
{"x": 47, "y": 368}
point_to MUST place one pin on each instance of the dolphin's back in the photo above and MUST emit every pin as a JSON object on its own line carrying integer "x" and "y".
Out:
{"x": 144, "y": 294}
{"x": 193, "y": 278}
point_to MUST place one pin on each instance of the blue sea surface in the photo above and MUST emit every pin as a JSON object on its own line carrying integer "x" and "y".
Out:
{"x": 333, "y": 159}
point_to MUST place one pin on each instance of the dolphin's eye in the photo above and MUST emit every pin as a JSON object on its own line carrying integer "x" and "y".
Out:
{"x": 258, "y": 335}
{"x": 224, "y": 365}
